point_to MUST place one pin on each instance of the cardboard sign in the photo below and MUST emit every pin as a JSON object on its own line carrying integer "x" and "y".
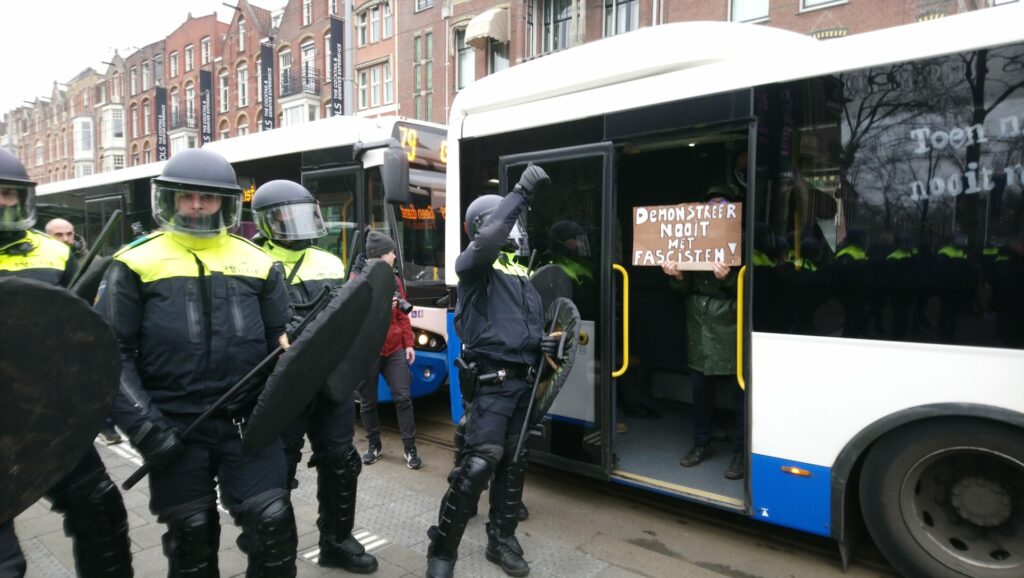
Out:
{"x": 696, "y": 235}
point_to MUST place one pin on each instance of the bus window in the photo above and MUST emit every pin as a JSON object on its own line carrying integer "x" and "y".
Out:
{"x": 376, "y": 202}
{"x": 421, "y": 228}
{"x": 336, "y": 194}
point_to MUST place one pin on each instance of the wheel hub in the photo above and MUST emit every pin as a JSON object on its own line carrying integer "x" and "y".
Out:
{"x": 981, "y": 501}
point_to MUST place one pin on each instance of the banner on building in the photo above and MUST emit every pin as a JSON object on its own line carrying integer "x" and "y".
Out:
{"x": 205, "y": 106}
{"x": 160, "y": 103}
{"x": 337, "y": 66}
{"x": 267, "y": 84}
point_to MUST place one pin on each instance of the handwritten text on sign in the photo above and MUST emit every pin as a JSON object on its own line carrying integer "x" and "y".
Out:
{"x": 692, "y": 234}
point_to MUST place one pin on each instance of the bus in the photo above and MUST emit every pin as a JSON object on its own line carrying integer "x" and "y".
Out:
{"x": 880, "y": 306}
{"x": 341, "y": 160}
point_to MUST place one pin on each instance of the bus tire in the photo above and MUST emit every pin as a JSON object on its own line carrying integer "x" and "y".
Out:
{"x": 945, "y": 498}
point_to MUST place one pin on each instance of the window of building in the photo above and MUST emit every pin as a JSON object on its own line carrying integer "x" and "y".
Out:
{"x": 243, "y": 126}
{"x": 361, "y": 28}
{"x": 621, "y": 16}
{"x": 116, "y": 88}
{"x": 133, "y": 81}
{"x": 174, "y": 64}
{"x": 83, "y": 137}
{"x": 147, "y": 154}
{"x": 40, "y": 153}
{"x": 748, "y": 10}
{"x": 497, "y": 56}
{"x": 363, "y": 88}
{"x": 241, "y": 34}
{"x": 375, "y": 74}
{"x": 190, "y": 104}
{"x": 307, "y": 12}
{"x": 135, "y": 121}
{"x": 83, "y": 169}
{"x": 204, "y": 51}
{"x": 809, "y": 4}
{"x": 389, "y": 93}
{"x": 175, "y": 106}
{"x": 225, "y": 90}
{"x": 242, "y": 77}
{"x": 113, "y": 125}
{"x": 388, "y": 21}
{"x": 85, "y": 100}
{"x": 375, "y": 24}
{"x": 147, "y": 113}
{"x": 284, "y": 61}
{"x": 327, "y": 56}
{"x": 332, "y": 7}
{"x": 309, "y": 72}
{"x": 118, "y": 162}
{"x": 158, "y": 67}
{"x": 259, "y": 78}
{"x": 224, "y": 130}
{"x": 464, "y": 63}
{"x": 189, "y": 60}
{"x": 423, "y": 4}
{"x": 557, "y": 23}
{"x": 145, "y": 76}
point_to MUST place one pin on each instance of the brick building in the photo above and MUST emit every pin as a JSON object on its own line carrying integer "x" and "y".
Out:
{"x": 406, "y": 58}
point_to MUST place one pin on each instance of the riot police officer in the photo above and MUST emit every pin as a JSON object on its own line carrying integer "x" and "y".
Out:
{"x": 498, "y": 317}
{"x": 94, "y": 514}
{"x": 289, "y": 222}
{"x": 194, "y": 308}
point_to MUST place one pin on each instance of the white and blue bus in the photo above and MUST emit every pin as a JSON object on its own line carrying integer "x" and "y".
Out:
{"x": 880, "y": 311}
{"x": 341, "y": 161}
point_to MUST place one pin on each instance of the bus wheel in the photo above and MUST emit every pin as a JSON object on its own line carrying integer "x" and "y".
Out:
{"x": 945, "y": 497}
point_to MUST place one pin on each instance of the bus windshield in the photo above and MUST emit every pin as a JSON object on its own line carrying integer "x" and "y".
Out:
{"x": 421, "y": 227}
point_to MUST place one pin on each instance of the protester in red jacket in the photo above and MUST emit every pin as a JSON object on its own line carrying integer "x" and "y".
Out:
{"x": 393, "y": 363}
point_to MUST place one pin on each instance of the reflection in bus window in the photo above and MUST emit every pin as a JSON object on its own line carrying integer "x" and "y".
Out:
{"x": 893, "y": 208}
{"x": 336, "y": 195}
{"x": 421, "y": 228}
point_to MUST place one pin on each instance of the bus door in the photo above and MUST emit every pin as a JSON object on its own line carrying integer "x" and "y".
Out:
{"x": 662, "y": 402}
{"x": 570, "y": 226}
{"x": 339, "y": 192}
{"x": 97, "y": 213}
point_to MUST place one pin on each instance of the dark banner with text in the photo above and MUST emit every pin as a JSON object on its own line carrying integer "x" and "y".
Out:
{"x": 267, "y": 84}
{"x": 206, "y": 106}
{"x": 160, "y": 113}
{"x": 337, "y": 66}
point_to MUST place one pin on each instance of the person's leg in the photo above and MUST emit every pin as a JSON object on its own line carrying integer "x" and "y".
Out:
{"x": 293, "y": 438}
{"x": 399, "y": 379}
{"x": 12, "y": 559}
{"x": 703, "y": 418}
{"x": 253, "y": 488}
{"x": 737, "y": 467}
{"x": 368, "y": 412}
{"x": 337, "y": 466}
{"x": 94, "y": 518}
{"x": 507, "y": 493}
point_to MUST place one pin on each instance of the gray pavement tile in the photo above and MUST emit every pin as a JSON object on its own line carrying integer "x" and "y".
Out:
{"x": 148, "y": 535}
{"x": 401, "y": 556}
{"x": 40, "y": 508}
{"x": 231, "y": 561}
{"x": 150, "y": 562}
{"x": 616, "y": 572}
{"x": 41, "y": 562}
{"x": 567, "y": 563}
{"x": 39, "y": 525}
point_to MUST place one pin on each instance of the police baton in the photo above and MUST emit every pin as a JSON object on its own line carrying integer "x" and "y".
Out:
{"x": 319, "y": 304}
{"x": 536, "y": 384}
{"x": 108, "y": 230}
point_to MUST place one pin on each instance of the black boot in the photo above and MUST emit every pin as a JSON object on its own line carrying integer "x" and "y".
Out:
{"x": 336, "y": 491}
{"x": 97, "y": 523}
{"x": 506, "y": 552}
{"x": 466, "y": 483}
{"x": 506, "y": 499}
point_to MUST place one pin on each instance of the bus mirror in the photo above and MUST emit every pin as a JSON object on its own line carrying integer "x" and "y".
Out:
{"x": 395, "y": 174}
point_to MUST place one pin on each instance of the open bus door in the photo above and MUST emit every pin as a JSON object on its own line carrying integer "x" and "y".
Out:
{"x": 339, "y": 192}
{"x": 571, "y": 225}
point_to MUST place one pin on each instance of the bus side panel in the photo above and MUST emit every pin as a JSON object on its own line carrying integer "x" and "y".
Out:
{"x": 794, "y": 501}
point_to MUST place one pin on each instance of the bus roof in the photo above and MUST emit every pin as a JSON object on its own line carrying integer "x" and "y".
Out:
{"x": 323, "y": 133}
{"x": 681, "y": 60}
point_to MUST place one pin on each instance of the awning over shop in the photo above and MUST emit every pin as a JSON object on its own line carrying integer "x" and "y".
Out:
{"x": 492, "y": 23}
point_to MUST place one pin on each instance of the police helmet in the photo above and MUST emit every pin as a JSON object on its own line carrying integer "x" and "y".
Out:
{"x": 722, "y": 191}
{"x": 286, "y": 211}
{"x": 570, "y": 236}
{"x": 17, "y": 194}
{"x": 197, "y": 193}
{"x": 477, "y": 212}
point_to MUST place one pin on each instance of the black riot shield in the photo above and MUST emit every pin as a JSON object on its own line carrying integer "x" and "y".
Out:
{"x": 564, "y": 318}
{"x": 372, "y": 333}
{"x": 551, "y": 281}
{"x": 89, "y": 282}
{"x": 303, "y": 369}
{"x": 59, "y": 372}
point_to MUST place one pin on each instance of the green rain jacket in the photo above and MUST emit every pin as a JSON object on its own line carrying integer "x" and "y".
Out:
{"x": 710, "y": 320}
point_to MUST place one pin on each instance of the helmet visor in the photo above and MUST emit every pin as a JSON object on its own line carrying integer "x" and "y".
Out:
{"x": 17, "y": 206}
{"x": 291, "y": 222}
{"x": 194, "y": 210}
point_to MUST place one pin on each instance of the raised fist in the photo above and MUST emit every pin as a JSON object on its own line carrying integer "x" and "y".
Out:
{"x": 534, "y": 178}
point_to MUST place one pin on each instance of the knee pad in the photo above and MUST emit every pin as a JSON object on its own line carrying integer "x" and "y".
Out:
{"x": 192, "y": 541}
{"x": 473, "y": 475}
{"x": 338, "y": 462}
{"x": 269, "y": 523}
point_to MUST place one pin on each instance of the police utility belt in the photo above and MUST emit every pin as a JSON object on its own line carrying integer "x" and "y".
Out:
{"x": 473, "y": 375}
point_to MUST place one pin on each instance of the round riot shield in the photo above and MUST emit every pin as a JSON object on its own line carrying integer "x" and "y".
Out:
{"x": 562, "y": 312}
{"x": 59, "y": 371}
{"x": 551, "y": 282}
{"x": 372, "y": 333}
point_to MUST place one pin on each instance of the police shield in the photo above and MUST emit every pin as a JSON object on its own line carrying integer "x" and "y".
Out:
{"x": 88, "y": 284}
{"x": 304, "y": 368}
{"x": 374, "y": 330}
{"x": 551, "y": 281}
{"x": 59, "y": 372}
{"x": 564, "y": 319}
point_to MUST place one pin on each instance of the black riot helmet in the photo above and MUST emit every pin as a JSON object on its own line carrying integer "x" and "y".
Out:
{"x": 17, "y": 195}
{"x": 476, "y": 214}
{"x": 286, "y": 211}
{"x": 197, "y": 193}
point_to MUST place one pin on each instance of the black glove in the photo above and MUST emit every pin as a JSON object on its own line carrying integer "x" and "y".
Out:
{"x": 158, "y": 443}
{"x": 549, "y": 345}
{"x": 534, "y": 179}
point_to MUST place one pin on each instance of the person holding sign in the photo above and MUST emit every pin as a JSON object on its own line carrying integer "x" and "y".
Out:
{"x": 711, "y": 345}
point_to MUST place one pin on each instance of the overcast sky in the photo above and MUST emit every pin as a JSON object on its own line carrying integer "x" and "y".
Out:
{"x": 46, "y": 40}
